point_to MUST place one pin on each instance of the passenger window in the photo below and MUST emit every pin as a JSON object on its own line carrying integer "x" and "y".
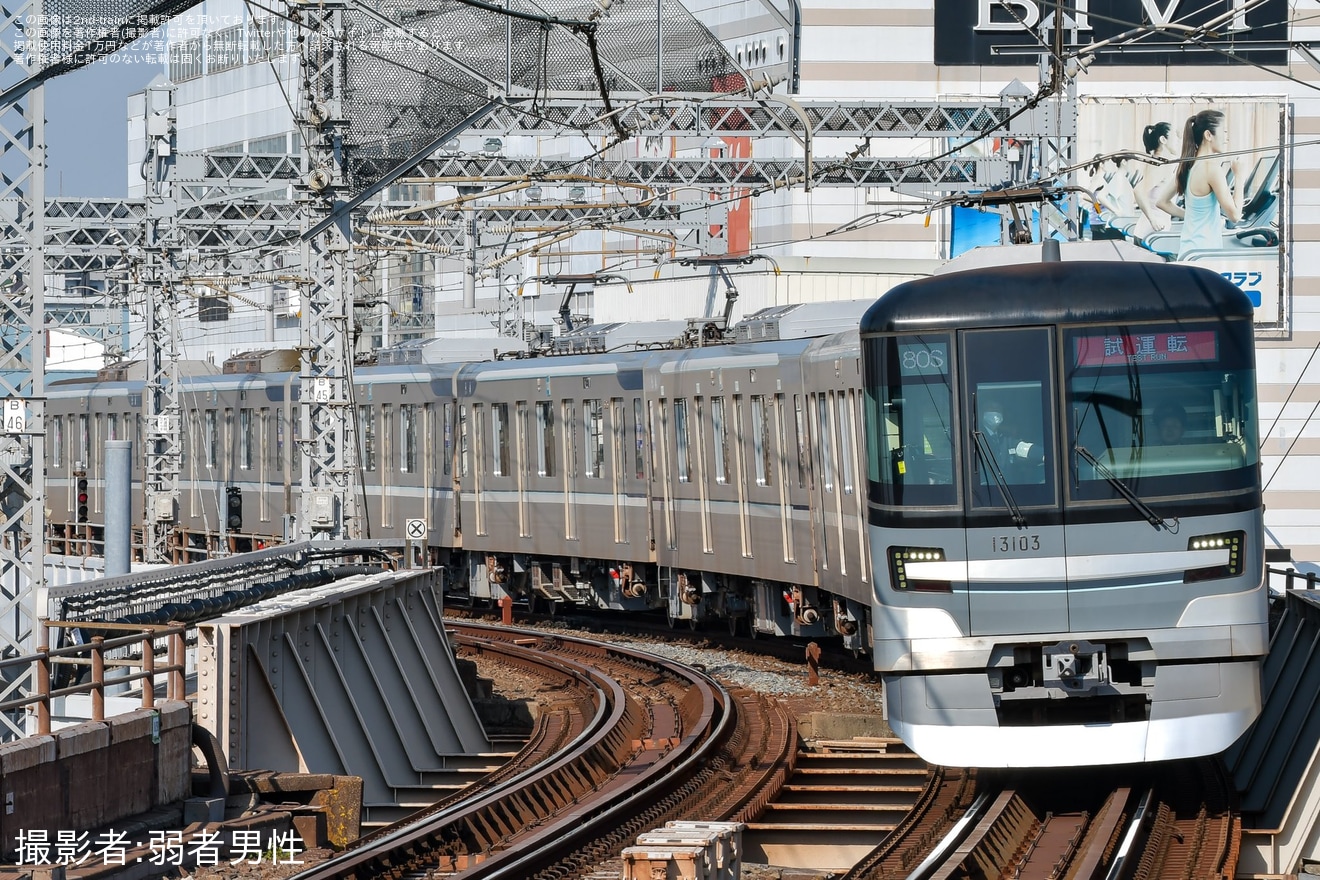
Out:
{"x": 824, "y": 435}
{"x": 545, "y": 438}
{"x": 639, "y": 428}
{"x": 367, "y": 435}
{"x": 803, "y": 442}
{"x": 245, "y": 439}
{"x": 760, "y": 441}
{"x": 57, "y": 442}
{"x": 681, "y": 440}
{"x": 499, "y": 423}
{"x": 408, "y": 438}
{"x": 720, "y": 429}
{"x": 846, "y": 428}
{"x": 570, "y": 439}
{"x": 211, "y": 437}
{"x": 447, "y": 450}
{"x": 595, "y": 438}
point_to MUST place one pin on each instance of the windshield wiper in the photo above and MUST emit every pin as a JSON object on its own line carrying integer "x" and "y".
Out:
{"x": 1123, "y": 489}
{"x": 988, "y": 459}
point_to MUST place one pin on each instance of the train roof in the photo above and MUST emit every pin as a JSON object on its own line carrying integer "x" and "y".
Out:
{"x": 1057, "y": 292}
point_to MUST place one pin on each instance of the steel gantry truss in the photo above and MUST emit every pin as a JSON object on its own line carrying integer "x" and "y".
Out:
{"x": 328, "y": 507}
{"x": 22, "y": 354}
{"x": 158, "y": 282}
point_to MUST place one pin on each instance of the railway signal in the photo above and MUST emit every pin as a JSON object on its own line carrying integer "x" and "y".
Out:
{"x": 82, "y": 499}
{"x": 234, "y": 508}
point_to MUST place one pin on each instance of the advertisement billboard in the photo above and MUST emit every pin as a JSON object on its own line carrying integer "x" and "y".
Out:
{"x": 1181, "y": 32}
{"x": 1225, "y": 215}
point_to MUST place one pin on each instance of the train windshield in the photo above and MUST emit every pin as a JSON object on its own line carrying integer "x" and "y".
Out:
{"x": 1155, "y": 404}
{"x": 908, "y": 412}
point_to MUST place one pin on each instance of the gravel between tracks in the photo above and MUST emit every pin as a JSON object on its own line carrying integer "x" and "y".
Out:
{"x": 838, "y": 692}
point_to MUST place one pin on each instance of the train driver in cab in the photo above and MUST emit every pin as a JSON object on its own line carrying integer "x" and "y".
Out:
{"x": 1005, "y": 442}
{"x": 1170, "y": 424}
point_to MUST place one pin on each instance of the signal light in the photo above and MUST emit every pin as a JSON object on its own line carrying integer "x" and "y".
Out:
{"x": 82, "y": 497}
{"x": 234, "y": 508}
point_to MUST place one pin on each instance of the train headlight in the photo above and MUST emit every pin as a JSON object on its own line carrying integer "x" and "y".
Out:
{"x": 1230, "y": 543}
{"x": 909, "y": 569}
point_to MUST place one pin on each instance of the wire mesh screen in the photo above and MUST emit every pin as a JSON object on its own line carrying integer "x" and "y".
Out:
{"x": 414, "y": 73}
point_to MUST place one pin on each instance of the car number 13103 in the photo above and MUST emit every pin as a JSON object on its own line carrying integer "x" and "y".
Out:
{"x": 1014, "y": 543}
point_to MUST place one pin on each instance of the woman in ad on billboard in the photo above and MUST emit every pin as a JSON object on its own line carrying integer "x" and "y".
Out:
{"x": 1157, "y": 138}
{"x": 1202, "y": 180}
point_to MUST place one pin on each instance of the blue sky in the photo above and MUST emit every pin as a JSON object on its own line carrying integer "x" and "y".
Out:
{"x": 87, "y": 129}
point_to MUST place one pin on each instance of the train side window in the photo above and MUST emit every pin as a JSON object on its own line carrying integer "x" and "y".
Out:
{"x": 113, "y": 427}
{"x": 245, "y": 444}
{"x": 847, "y": 425}
{"x": 463, "y": 440}
{"x": 681, "y": 440}
{"x": 57, "y": 442}
{"x": 408, "y": 438}
{"x": 721, "y": 432}
{"x": 761, "y": 441}
{"x": 280, "y": 427}
{"x": 595, "y": 417}
{"x": 478, "y": 441}
{"x": 386, "y": 440}
{"x": 639, "y": 430}
{"x": 824, "y": 446}
{"x": 570, "y": 439}
{"x": 545, "y": 438}
{"x": 265, "y": 448}
{"x": 295, "y": 448}
{"x": 524, "y": 439}
{"x": 228, "y": 442}
{"x": 428, "y": 447}
{"x": 499, "y": 434}
{"x": 211, "y": 437}
{"x": 447, "y": 448}
{"x": 659, "y": 437}
{"x": 619, "y": 436}
{"x": 803, "y": 442}
{"x": 140, "y": 444}
{"x": 367, "y": 435}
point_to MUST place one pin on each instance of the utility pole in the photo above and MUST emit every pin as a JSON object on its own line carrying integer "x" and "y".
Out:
{"x": 328, "y": 508}
{"x": 157, "y": 282}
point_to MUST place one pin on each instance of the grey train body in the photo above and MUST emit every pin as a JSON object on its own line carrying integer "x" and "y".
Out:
{"x": 543, "y": 479}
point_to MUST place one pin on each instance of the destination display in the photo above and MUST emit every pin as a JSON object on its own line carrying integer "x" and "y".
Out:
{"x": 1146, "y": 348}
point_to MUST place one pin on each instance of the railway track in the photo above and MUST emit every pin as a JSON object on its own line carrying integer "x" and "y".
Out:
{"x": 625, "y": 742}
{"x": 1141, "y": 823}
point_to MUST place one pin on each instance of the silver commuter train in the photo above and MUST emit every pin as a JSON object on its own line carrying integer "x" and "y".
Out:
{"x": 1065, "y": 503}
{"x": 719, "y": 483}
{"x": 725, "y": 483}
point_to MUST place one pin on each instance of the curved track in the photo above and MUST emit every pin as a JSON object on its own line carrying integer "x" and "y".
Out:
{"x": 1143, "y": 823}
{"x": 628, "y": 741}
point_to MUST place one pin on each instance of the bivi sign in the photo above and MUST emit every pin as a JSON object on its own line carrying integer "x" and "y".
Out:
{"x": 1007, "y": 31}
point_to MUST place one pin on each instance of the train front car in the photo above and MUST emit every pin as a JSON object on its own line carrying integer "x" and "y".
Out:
{"x": 1065, "y": 513}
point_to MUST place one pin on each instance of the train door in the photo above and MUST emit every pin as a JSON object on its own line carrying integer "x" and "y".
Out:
{"x": 1015, "y": 553}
